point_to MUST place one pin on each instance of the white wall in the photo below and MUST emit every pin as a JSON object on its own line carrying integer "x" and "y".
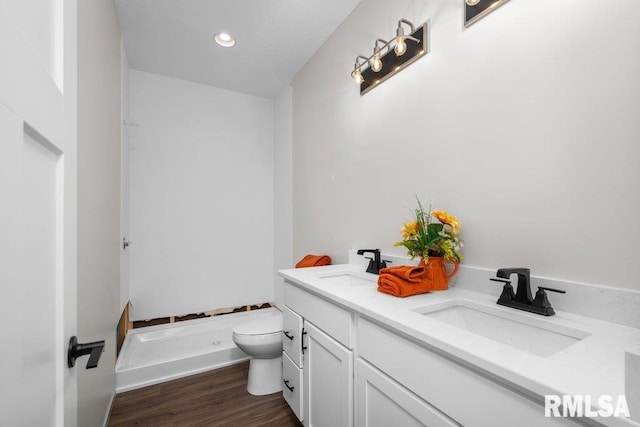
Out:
{"x": 525, "y": 126}
{"x": 282, "y": 205}
{"x": 99, "y": 129}
{"x": 124, "y": 180}
{"x": 201, "y": 197}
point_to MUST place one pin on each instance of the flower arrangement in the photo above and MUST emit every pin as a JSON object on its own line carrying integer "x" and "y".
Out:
{"x": 425, "y": 237}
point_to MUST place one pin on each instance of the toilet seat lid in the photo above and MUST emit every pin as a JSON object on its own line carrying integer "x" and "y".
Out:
{"x": 270, "y": 325}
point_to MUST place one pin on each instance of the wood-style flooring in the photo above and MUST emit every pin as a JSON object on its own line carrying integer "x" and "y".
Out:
{"x": 213, "y": 398}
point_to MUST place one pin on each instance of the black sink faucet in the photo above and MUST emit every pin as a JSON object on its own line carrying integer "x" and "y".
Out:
{"x": 522, "y": 299}
{"x": 523, "y": 292}
{"x": 376, "y": 263}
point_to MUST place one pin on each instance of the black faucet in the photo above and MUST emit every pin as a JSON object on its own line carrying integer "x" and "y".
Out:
{"x": 376, "y": 263}
{"x": 522, "y": 299}
{"x": 523, "y": 293}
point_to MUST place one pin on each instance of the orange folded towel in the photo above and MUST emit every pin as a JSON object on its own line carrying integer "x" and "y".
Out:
{"x": 398, "y": 287}
{"x": 314, "y": 261}
{"x": 406, "y": 272}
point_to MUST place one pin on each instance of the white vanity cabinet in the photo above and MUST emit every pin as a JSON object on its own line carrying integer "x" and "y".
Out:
{"x": 373, "y": 360}
{"x": 317, "y": 359}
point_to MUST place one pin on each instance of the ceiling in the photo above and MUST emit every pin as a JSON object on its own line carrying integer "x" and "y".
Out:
{"x": 274, "y": 39}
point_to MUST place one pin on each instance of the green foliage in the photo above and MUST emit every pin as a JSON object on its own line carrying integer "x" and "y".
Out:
{"x": 425, "y": 237}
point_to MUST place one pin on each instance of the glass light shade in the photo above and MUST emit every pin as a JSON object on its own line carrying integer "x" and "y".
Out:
{"x": 472, "y": 2}
{"x": 357, "y": 76}
{"x": 401, "y": 47}
{"x": 375, "y": 63}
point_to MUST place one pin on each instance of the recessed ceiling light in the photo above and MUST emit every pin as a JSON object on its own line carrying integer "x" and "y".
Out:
{"x": 224, "y": 39}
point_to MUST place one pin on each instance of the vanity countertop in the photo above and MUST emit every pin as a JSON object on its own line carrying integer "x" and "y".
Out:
{"x": 592, "y": 366}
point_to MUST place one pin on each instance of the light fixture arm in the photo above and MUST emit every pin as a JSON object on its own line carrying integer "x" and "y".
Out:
{"x": 358, "y": 64}
{"x": 400, "y": 31}
{"x": 409, "y": 38}
{"x": 378, "y": 49}
{"x": 410, "y": 24}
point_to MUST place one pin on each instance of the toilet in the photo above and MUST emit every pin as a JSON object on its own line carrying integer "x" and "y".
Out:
{"x": 262, "y": 340}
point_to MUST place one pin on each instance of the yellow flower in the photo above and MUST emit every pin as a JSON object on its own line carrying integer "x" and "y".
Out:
{"x": 409, "y": 229}
{"x": 448, "y": 219}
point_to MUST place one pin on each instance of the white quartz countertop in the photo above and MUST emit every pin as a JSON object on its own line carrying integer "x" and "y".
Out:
{"x": 592, "y": 366}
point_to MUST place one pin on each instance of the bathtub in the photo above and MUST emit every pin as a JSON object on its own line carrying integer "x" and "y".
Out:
{"x": 155, "y": 354}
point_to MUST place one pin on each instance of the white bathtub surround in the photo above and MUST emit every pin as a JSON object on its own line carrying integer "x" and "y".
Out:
{"x": 632, "y": 381}
{"x": 593, "y": 363}
{"x": 161, "y": 353}
{"x": 201, "y": 197}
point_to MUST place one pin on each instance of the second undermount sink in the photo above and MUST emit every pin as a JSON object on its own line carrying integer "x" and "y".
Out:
{"x": 520, "y": 331}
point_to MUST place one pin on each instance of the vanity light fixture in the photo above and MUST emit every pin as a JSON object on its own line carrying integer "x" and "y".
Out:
{"x": 474, "y": 10}
{"x": 389, "y": 57}
{"x": 224, "y": 40}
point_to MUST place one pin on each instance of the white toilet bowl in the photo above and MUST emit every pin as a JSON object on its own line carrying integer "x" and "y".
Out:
{"x": 262, "y": 340}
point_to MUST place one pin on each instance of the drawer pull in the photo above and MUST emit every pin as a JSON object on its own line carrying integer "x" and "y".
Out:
{"x": 286, "y": 384}
{"x": 286, "y": 334}
{"x": 302, "y": 346}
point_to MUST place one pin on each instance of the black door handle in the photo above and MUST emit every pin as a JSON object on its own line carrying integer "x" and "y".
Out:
{"x": 75, "y": 350}
{"x": 286, "y": 334}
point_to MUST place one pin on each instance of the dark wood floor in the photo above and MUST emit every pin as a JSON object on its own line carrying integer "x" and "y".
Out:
{"x": 214, "y": 398}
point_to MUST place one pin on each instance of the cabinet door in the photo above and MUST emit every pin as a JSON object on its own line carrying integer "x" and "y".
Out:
{"x": 328, "y": 381}
{"x": 381, "y": 402}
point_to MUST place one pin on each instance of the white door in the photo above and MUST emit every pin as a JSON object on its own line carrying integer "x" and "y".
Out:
{"x": 327, "y": 381}
{"x": 37, "y": 211}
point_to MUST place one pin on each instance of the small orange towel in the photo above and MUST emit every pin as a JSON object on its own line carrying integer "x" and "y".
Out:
{"x": 394, "y": 285}
{"x": 314, "y": 261}
{"x": 406, "y": 272}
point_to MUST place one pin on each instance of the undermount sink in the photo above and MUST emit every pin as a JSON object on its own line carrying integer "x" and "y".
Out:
{"x": 520, "y": 331}
{"x": 348, "y": 278}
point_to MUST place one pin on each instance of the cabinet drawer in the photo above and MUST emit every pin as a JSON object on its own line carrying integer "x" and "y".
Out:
{"x": 292, "y": 385}
{"x": 464, "y": 395}
{"x": 335, "y": 321}
{"x": 291, "y": 335}
{"x": 380, "y": 401}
